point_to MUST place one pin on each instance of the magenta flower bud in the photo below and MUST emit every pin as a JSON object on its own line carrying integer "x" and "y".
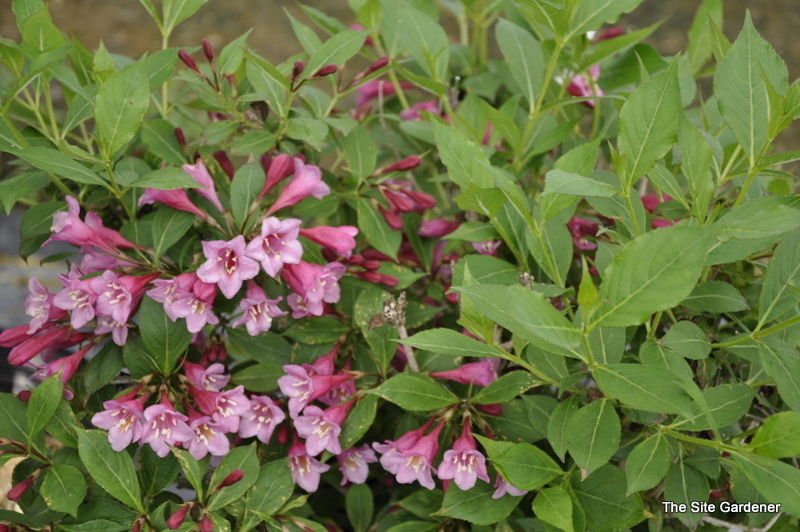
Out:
{"x": 18, "y": 491}
{"x": 391, "y": 218}
{"x": 208, "y": 50}
{"x": 389, "y": 280}
{"x": 137, "y": 526}
{"x": 34, "y": 345}
{"x": 376, "y": 65}
{"x": 339, "y": 239}
{"x": 327, "y": 70}
{"x": 206, "y": 524}
{"x": 437, "y": 228}
{"x": 581, "y": 228}
{"x": 24, "y": 396}
{"x": 177, "y": 199}
{"x": 188, "y": 61}
{"x": 494, "y": 409}
{"x": 481, "y": 373}
{"x": 233, "y": 477}
{"x": 409, "y": 163}
{"x": 609, "y": 33}
{"x": 277, "y": 170}
{"x": 225, "y": 163}
{"x": 297, "y": 69}
{"x": 14, "y": 336}
{"x": 66, "y": 366}
{"x": 423, "y": 200}
{"x": 180, "y": 137}
{"x": 176, "y": 519}
{"x": 581, "y": 86}
{"x": 68, "y": 227}
{"x": 307, "y": 181}
{"x": 200, "y": 174}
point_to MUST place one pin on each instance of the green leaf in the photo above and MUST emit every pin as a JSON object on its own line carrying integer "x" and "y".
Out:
{"x": 13, "y": 416}
{"x": 261, "y": 377}
{"x": 561, "y": 182}
{"x": 120, "y": 106}
{"x": 360, "y": 152}
{"x": 699, "y": 49}
{"x": 607, "y": 344}
{"x": 593, "y": 435}
{"x": 644, "y": 387}
{"x": 715, "y": 296}
{"x": 524, "y": 57}
{"x": 696, "y": 157}
{"x": 166, "y": 179}
{"x": 169, "y": 226}
{"x": 176, "y": 11}
{"x": 778, "y": 436}
{"x": 727, "y": 403}
{"x": 450, "y": 342}
{"x": 62, "y": 425}
{"x": 243, "y": 458}
{"x": 376, "y": 230}
{"x": 246, "y": 185}
{"x": 191, "y": 470}
{"x": 360, "y": 506}
{"x": 39, "y": 33}
{"x": 526, "y": 467}
{"x": 336, "y": 50}
{"x": 160, "y": 66}
{"x": 505, "y": 388}
{"x": 318, "y": 330}
{"x": 527, "y": 314}
{"x": 591, "y": 14}
{"x": 647, "y": 464}
{"x": 777, "y": 296}
{"x": 653, "y": 354}
{"x": 18, "y": 186}
{"x": 688, "y": 340}
{"x": 63, "y": 489}
{"x": 648, "y": 122}
{"x": 554, "y": 506}
{"x": 166, "y": 340}
{"x": 477, "y": 506}
{"x": 654, "y": 272}
{"x": 778, "y": 482}
{"x": 308, "y": 130}
{"x": 272, "y": 489}
{"x": 416, "y": 392}
{"x": 57, "y": 163}
{"x": 474, "y": 232}
{"x": 268, "y": 80}
{"x": 113, "y": 471}
{"x": 781, "y": 361}
{"x": 43, "y": 404}
{"x": 232, "y": 55}
{"x": 603, "y": 497}
{"x": 557, "y": 428}
{"x": 759, "y": 218}
{"x": 685, "y": 485}
{"x": 358, "y": 421}
{"x": 159, "y": 137}
{"x": 466, "y": 162}
{"x": 156, "y": 473}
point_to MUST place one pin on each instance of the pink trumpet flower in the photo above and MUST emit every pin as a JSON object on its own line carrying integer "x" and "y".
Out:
{"x": 228, "y": 266}
{"x": 353, "y": 464}
{"x": 122, "y": 418}
{"x": 225, "y": 407}
{"x": 321, "y": 428}
{"x": 277, "y": 245}
{"x": 481, "y": 373}
{"x": 209, "y": 437}
{"x": 339, "y": 239}
{"x": 464, "y": 463}
{"x": 164, "y": 427}
{"x": 258, "y": 310}
{"x": 39, "y": 306}
{"x": 68, "y": 227}
{"x": 199, "y": 173}
{"x": 302, "y": 388}
{"x": 307, "y": 181}
{"x": 279, "y": 169}
{"x": 211, "y": 378}
{"x": 306, "y": 471}
{"x": 177, "y": 199}
{"x": 261, "y": 419}
{"x": 416, "y": 462}
{"x": 504, "y": 488}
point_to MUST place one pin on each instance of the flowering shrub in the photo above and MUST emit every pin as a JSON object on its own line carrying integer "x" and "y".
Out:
{"x": 434, "y": 290}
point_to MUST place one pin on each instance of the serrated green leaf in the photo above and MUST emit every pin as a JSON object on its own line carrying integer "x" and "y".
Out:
{"x": 688, "y": 340}
{"x": 505, "y": 388}
{"x": 43, "y": 404}
{"x": 645, "y": 387}
{"x": 466, "y": 162}
{"x": 156, "y": 473}
{"x": 159, "y": 137}
{"x": 591, "y": 14}
{"x": 113, "y": 471}
{"x": 778, "y": 482}
{"x": 554, "y": 506}
{"x": 360, "y": 506}
{"x": 166, "y": 340}
{"x": 561, "y": 182}
{"x": 450, "y": 342}
{"x": 358, "y": 421}
{"x": 524, "y": 57}
{"x": 169, "y": 226}
{"x": 778, "y": 436}
{"x": 360, "y": 152}
{"x": 647, "y": 464}
{"x": 176, "y": 11}
{"x": 63, "y": 489}
{"x": 416, "y": 392}
{"x": 715, "y": 296}
{"x": 246, "y": 184}
{"x": 684, "y": 485}
{"x": 593, "y": 435}
{"x": 192, "y": 469}
{"x": 55, "y": 162}
{"x": 272, "y": 489}
{"x": 604, "y": 500}
{"x": 376, "y": 230}
{"x": 336, "y": 50}
{"x": 243, "y": 458}
{"x": 120, "y": 106}
{"x": 781, "y": 361}
{"x": 477, "y": 506}
{"x": 777, "y": 297}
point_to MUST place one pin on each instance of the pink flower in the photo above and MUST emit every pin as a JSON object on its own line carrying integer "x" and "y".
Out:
{"x": 278, "y": 170}
{"x": 77, "y": 297}
{"x": 115, "y": 295}
{"x": 580, "y": 86}
{"x": 227, "y": 265}
{"x": 119, "y": 331}
{"x": 302, "y": 388}
{"x": 195, "y": 306}
{"x": 403, "y": 165}
{"x": 339, "y": 239}
{"x": 66, "y": 366}
{"x": 392, "y": 450}
{"x": 487, "y": 247}
{"x": 415, "y": 112}
{"x": 163, "y": 427}
{"x": 261, "y": 419}
{"x": 353, "y": 464}
{"x": 416, "y": 462}
{"x": 652, "y": 201}
{"x": 481, "y": 373}
{"x": 167, "y": 291}
{"x": 68, "y": 227}
{"x": 277, "y": 244}
{"x": 209, "y": 437}
{"x": 504, "y": 488}
{"x": 321, "y": 429}
{"x": 122, "y": 418}
{"x": 306, "y": 471}
{"x": 307, "y": 181}
{"x": 94, "y": 261}
{"x": 33, "y": 345}
{"x": 258, "y": 310}
{"x": 437, "y": 228}
{"x": 211, "y": 378}
{"x": 225, "y": 407}
{"x": 315, "y": 283}
{"x": 200, "y": 174}
{"x": 464, "y": 463}
{"x": 580, "y": 228}
{"x": 39, "y": 306}
{"x": 177, "y": 199}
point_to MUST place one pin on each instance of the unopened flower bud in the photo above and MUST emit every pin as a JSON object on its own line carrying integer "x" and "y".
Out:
{"x": 327, "y": 70}
{"x": 283, "y": 435}
{"x": 137, "y": 526}
{"x": 16, "y": 493}
{"x": 408, "y": 163}
{"x": 377, "y": 65}
{"x": 235, "y": 476}
{"x": 208, "y": 50}
{"x": 206, "y": 525}
{"x": 371, "y": 265}
{"x": 391, "y": 218}
{"x": 189, "y": 61}
{"x": 355, "y": 260}
{"x": 389, "y": 280}
{"x": 176, "y": 519}
{"x": 225, "y": 163}
{"x": 4, "y": 528}
{"x": 180, "y": 137}
{"x": 370, "y": 277}
{"x": 297, "y": 69}
{"x": 24, "y": 396}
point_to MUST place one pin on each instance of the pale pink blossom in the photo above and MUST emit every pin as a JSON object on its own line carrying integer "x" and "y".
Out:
{"x": 167, "y": 291}
{"x": 228, "y": 266}
{"x": 39, "y": 306}
{"x": 353, "y": 464}
{"x": 415, "y": 112}
{"x": 581, "y": 86}
{"x": 225, "y": 407}
{"x": 416, "y": 462}
{"x": 164, "y": 427}
{"x": 122, "y": 417}
{"x": 258, "y": 310}
{"x": 302, "y": 388}
{"x": 209, "y": 437}
{"x": 314, "y": 282}
{"x": 212, "y": 378}
{"x": 119, "y": 331}
{"x": 321, "y": 428}
{"x": 195, "y": 306}
{"x": 306, "y": 471}
{"x": 77, "y": 297}
{"x": 392, "y": 451}
{"x": 68, "y": 227}
{"x": 377, "y": 88}
{"x": 261, "y": 419}
{"x": 486, "y": 247}
{"x": 277, "y": 245}
{"x": 504, "y": 488}
{"x": 464, "y": 463}
{"x": 199, "y": 173}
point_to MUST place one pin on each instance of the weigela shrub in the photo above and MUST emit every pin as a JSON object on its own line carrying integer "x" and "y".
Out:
{"x": 399, "y": 282}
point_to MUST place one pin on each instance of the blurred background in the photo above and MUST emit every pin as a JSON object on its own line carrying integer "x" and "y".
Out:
{"x": 125, "y": 28}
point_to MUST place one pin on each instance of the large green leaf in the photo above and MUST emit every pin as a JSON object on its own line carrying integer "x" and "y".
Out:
{"x": 526, "y": 467}
{"x": 778, "y": 482}
{"x": 715, "y": 296}
{"x": 593, "y": 435}
{"x": 783, "y": 273}
{"x": 779, "y": 436}
{"x": 43, "y": 404}
{"x": 360, "y": 151}
{"x": 64, "y": 488}
{"x": 243, "y": 458}
{"x": 113, "y": 471}
{"x": 336, "y": 50}
{"x": 647, "y": 464}
{"x": 524, "y": 57}
{"x": 272, "y": 489}
{"x": 554, "y": 506}
{"x": 685, "y": 485}
{"x": 246, "y": 185}
{"x": 374, "y": 227}
{"x": 176, "y": 11}
{"x": 120, "y": 106}
{"x": 477, "y": 505}
{"x": 591, "y": 14}
{"x": 166, "y": 340}
{"x": 169, "y": 226}
{"x": 413, "y": 391}
{"x": 781, "y": 361}
{"x": 654, "y": 272}
{"x": 561, "y": 182}
{"x": 603, "y": 497}
{"x": 450, "y": 342}
{"x": 55, "y": 162}
{"x": 465, "y": 161}
{"x": 648, "y": 122}
{"x": 645, "y": 387}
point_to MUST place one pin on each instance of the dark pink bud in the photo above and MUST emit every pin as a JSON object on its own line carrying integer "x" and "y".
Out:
{"x": 16, "y": 493}
{"x": 377, "y": 65}
{"x": 235, "y": 476}
{"x": 297, "y": 69}
{"x": 424, "y": 200}
{"x": 4, "y": 528}
{"x": 494, "y": 409}
{"x": 399, "y": 201}
{"x": 610, "y": 33}
{"x": 15, "y": 336}
{"x": 206, "y": 525}
{"x": 406, "y": 164}
{"x": 279, "y": 169}
{"x": 355, "y": 260}
{"x": 188, "y": 60}
{"x": 179, "y": 137}
{"x": 371, "y": 265}
{"x": 208, "y": 50}
{"x": 176, "y": 520}
{"x": 225, "y": 163}
{"x": 370, "y": 277}
{"x": 389, "y": 280}
{"x": 283, "y": 435}
{"x": 137, "y": 526}
{"x": 24, "y": 396}
{"x": 391, "y": 218}
{"x": 327, "y": 70}
{"x": 266, "y": 162}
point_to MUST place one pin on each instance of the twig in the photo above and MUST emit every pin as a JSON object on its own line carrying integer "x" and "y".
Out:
{"x": 741, "y": 528}
{"x": 394, "y": 314}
